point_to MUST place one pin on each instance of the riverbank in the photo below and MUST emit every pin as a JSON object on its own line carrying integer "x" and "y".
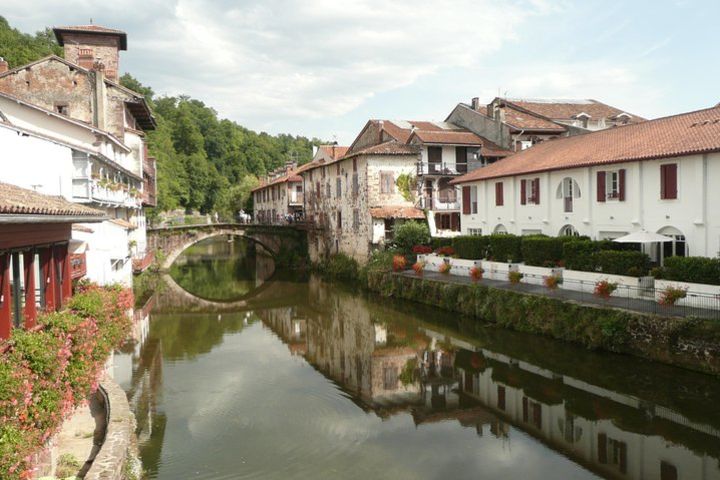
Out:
{"x": 685, "y": 342}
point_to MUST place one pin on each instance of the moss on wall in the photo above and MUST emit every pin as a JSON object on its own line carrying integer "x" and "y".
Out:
{"x": 687, "y": 342}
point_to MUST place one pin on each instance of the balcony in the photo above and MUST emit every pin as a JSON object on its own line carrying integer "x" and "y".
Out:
{"x": 92, "y": 190}
{"x": 447, "y": 168}
{"x": 439, "y": 203}
{"x": 296, "y": 198}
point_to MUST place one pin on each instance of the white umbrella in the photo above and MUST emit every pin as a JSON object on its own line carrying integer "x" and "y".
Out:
{"x": 643, "y": 237}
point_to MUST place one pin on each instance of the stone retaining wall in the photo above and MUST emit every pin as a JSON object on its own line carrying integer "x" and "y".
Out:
{"x": 110, "y": 461}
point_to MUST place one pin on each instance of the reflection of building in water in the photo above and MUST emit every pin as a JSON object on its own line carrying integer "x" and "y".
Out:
{"x": 264, "y": 266}
{"x": 615, "y": 435}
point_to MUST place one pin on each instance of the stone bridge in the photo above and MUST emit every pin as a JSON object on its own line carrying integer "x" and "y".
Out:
{"x": 279, "y": 241}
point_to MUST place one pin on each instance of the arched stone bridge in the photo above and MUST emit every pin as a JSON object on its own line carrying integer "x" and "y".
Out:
{"x": 277, "y": 240}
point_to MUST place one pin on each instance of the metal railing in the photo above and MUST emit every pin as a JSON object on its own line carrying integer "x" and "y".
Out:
{"x": 441, "y": 168}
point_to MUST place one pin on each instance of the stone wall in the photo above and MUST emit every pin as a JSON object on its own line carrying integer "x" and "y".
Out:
{"x": 684, "y": 342}
{"x": 105, "y": 49}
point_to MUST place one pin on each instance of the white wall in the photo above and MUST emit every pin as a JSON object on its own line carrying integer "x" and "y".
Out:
{"x": 694, "y": 212}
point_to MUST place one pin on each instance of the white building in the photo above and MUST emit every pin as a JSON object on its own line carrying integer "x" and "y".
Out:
{"x": 659, "y": 176}
{"x": 55, "y": 155}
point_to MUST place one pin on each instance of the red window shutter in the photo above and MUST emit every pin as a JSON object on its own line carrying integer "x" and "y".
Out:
{"x": 523, "y": 191}
{"x": 621, "y": 185}
{"x": 602, "y": 448}
{"x": 601, "y": 186}
{"x": 668, "y": 181}
{"x": 536, "y": 191}
{"x": 499, "y": 196}
{"x": 5, "y": 312}
{"x": 466, "y": 200}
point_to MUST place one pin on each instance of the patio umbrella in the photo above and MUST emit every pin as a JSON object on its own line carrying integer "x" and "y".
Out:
{"x": 643, "y": 237}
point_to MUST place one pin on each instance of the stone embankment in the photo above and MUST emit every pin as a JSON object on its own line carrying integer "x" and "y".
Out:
{"x": 691, "y": 343}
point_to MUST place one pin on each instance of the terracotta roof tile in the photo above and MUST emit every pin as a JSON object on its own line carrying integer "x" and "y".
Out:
{"x": 677, "y": 135}
{"x": 90, "y": 28}
{"x": 569, "y": 109}
{"x": 461, "y": 137}
{"x": 527, "y": 121}
{"x": 387, "y": 148}
{"x": 20, "y": 201}
{"x": 397, "y": 212}
{"x": 334, "y": 151}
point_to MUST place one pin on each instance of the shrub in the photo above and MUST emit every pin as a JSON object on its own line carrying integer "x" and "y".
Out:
{"x": 604, "y": 288}
{"x": 421, "y": 249}
{"x": 446, "y": 251}
{"x": 671, "y": 295}
{"x": 445, "y": 268}
{"x": 471, "y": 247}
{"x": 437, "y": 242}
{"x": 418, "y": 267}
{"x": 399, "y": 263}
{"x": 617, "y": 262}
{"x": 692, "y": 270}
{"x": 542, "y": 251}
{"x": 340, "y": 267}
{"x": 552, "y": 281}
{"x": 504, "y": 248}
{"x": 515, "y": 277}
{"x": 409, "y": 234}
{"x": 578, "y": 255}
{"x": 476, "y": 273}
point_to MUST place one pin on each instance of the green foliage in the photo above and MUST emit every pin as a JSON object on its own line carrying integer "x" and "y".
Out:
{"x": 20, "y": 48}
{"x": 578, "y": 255}
{"x": 439, "y": 242}
{"x": 409, "y": 234}
{"x": 542, "y": 251}
{"x": 471, "y": 247}
{"x": 407, "y": 183}
{"x": 616, "y": 262}
{"x": 692, "y": 270}
{"x": 340, "y": 267}
{"x": 504, "y": 247}
{"x": 407, "y": 375}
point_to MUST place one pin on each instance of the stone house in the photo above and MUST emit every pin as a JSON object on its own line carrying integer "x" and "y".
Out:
{"x": 517, "y": 124}
{"x": 84, "y": 87}
{"x": 658, "y": 175}
{"x": 354, "y": 201}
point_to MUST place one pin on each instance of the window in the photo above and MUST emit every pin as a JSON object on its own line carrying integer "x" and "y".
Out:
{"x": 356, "y": 220}
{"x": 473, "y": 200}
{"x": 389, "y": 228}
{"x": 323, "y": 172}
{"x": 338, "y": 187}
{"x": 339, "y": 220}
{"x": 530, "y": 191}
{"x": 387, "y": 182}
{"x": 501, "y": 397}
{"x": 354, "y": 164}
{"x": 499, "y": 194}
{"x": 475, "y": 231}
{"x": 611, "y": 185}
{"x": 328, "y": 189}
{"x": 668, "y": 471}
{"x": 390, "y": 377}
{"x": 446, "y": 192}
{"x": 461, "y": 159}
{"x": 668, "y": 181}
{"x": 355, "y": 184}
{"x": 337, "y": 168}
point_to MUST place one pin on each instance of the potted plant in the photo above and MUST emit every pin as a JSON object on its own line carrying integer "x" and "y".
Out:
{"x": 399, "y": 263}
{"x": 476, "y": 273}
{"x": 446, "y": 251}
{"x": 418, "y": 267}
{"x": 604, "y": 289}
{"x": 671, "y": 295}
{"x": 515, "y": 277}
{"x": 445, "y": 268}
{"x": 552, "y": 281}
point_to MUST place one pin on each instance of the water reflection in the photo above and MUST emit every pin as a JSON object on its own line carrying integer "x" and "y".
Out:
{"x": 318, "y": 382}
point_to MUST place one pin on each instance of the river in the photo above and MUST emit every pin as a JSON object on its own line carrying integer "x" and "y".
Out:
{"x": 243, "y": 372}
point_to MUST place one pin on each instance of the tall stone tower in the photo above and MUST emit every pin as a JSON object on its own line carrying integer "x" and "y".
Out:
{"x": 93, "y": 47}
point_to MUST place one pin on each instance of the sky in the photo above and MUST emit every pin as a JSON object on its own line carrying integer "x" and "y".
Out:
{"x": 322, "y": 68}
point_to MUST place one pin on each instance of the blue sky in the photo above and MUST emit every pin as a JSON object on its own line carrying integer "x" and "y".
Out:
{"x": 322, "y": 68}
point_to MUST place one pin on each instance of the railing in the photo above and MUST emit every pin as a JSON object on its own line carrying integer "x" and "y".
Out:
{"x": 441, "y": 168}
{"x": 90, "y": 189}
{"x": 437, "y": 204}
{"x": 78, "y": 265}
{"x": 142, "y": 263}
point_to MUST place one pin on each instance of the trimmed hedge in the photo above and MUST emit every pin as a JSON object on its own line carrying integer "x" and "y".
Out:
{"x": 634, "y": 264}
{"x": 542, "y": 251}
{"x": 471, "y": 247}
{"x": 578, "y": 255}
{"x": 692, "y": 270}
{"x": 504, "y": 247}
{"x": 439, "y": 242}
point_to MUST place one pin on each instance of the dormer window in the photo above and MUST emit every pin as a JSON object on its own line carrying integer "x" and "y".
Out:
{"x": 62, "y": 109}
{"x": 623, "y": 118}
{"x": 584, "y": 119}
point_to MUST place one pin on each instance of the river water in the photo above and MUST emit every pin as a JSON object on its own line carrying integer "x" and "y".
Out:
{"x": 246, "y": 373}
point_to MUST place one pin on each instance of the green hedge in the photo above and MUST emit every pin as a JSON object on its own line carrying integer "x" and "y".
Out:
{"x": 439, "y": 242}
{"x": 542, "y": 251}
{"x": 618, "y": 262}
{"x": 578, "y": 255}
{"x": 692, "y": 269}
{"x": 408, "y": 234}
{"x": 471, "y": 247}
{"x": 504, "y": 247}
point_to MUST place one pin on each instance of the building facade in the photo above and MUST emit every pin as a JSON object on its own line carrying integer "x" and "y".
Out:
{"x": 101, "y": 125}
{"x": 657, "y": 176}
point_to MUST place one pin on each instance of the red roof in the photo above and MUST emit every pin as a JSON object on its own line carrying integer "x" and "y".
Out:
{"x": 334, "y": 151}
{"x": 570, "y": 109}
{"x": 387, "y": 148}
{"x": 677, "y": 135}
{"x": 397, "y": 212}
{"x": 20, "y": 201}
{"x": 460, "y": 137}
{"x": 92, "y": 29}
{"x": 527, "y": 121}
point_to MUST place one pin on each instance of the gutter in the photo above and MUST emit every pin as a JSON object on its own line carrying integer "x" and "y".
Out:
{"x": 29, "y": 218}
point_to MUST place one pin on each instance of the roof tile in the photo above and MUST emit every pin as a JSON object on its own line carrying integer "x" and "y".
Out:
{"x": 20, "y": 201}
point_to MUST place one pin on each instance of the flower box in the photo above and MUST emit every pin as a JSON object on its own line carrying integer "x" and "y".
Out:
{"x": 699, "y": 295}
{"x": 633, "y": 287}
{"x": 536, "y": 275}
{"x": 498, "y": 270}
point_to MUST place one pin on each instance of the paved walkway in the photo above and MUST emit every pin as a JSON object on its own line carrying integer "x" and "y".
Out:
{"x": 80, "y": 437}
{"x": 635, "y": 304}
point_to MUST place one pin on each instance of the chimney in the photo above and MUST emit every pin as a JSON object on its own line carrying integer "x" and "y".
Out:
{"x": 475, "y": 103}
{"x": 3, "y": 65}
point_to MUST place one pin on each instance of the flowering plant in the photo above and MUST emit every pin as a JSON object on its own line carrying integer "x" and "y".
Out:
{"x": 446, "y": 251}
{"x": 515, "y": 277}
{"x": 476, "y": 273}
{"x": 421, "y": 249}
{"x": 418, "y": 267}
{"x": 671, "y": 295}
{"x": 604, "y": 288}
{"x": 444, "y": 268}
{"x": 399, "y": 263}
